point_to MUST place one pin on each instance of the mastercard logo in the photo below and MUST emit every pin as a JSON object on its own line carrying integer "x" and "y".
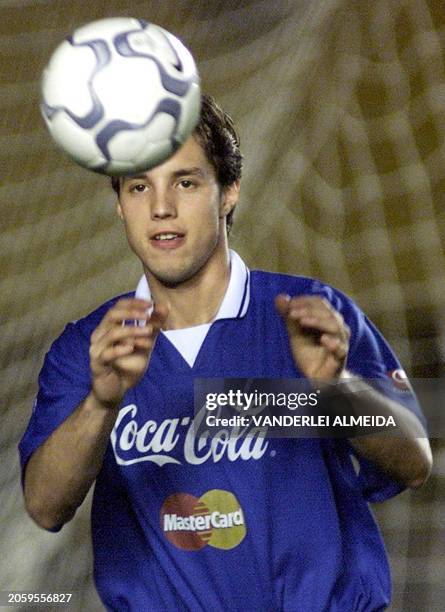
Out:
{"x": 214, "y": 519}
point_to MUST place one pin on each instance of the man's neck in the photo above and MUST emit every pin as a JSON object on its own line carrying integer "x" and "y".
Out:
{"x": 196, "y": 301}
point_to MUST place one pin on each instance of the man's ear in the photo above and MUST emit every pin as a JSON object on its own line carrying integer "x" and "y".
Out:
{"x": 229, "y": 199}
{"x": 119, "y": 210}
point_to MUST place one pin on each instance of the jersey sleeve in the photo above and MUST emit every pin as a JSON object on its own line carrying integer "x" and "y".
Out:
{"x": 64, "y": 382}
{"x": 371, "y": 358}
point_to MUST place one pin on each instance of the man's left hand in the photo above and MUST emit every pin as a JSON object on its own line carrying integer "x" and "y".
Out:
{"x": 318, "y": 335}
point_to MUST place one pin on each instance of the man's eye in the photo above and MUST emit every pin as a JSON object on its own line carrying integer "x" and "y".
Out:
{"x": 137, "y": 188}
{"x": 186, "y": 183}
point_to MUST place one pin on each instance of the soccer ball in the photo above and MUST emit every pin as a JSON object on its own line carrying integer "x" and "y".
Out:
{"x": 120, "y": 95}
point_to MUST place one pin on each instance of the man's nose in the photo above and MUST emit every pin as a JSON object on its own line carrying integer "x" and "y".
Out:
{"x": 163, "y": 204}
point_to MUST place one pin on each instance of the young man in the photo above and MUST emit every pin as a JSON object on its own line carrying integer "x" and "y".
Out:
{"x": 187, "y": 523}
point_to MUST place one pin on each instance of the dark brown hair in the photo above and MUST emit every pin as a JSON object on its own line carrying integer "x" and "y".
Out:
{"x": 217, "y": 135}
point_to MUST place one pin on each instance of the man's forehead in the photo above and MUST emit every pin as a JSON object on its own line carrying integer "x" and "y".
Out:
{"x": 178, "y": 171}
{"x": 190, "y": 158}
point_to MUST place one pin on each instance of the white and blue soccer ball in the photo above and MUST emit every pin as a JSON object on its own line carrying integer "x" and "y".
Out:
{"x": 120, "y": 95}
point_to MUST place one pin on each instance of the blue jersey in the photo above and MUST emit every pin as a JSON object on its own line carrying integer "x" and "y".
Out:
{"x": 227, "y": 524}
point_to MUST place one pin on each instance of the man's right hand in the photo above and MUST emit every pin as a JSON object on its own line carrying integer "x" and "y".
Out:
{"x": 61, "y": 471}
{"x": 120, "y": 349}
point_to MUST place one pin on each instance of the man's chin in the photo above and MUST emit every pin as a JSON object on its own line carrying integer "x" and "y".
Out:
{"x": 172, "y": 279}
{"x": 171, "y": 283}
{"x": 184, "y": 271}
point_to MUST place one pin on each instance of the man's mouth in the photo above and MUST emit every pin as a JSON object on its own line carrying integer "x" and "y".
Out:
{"x": 166, "y": 236}
{"x": 168, "y": 240}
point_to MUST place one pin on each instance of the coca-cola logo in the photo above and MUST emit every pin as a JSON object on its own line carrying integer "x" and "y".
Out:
{"x": 174, "y": 441}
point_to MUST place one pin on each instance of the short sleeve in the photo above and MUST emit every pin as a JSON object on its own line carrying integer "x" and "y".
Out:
{"x": 371, "y": 358}
{"x": 64, "y": 382}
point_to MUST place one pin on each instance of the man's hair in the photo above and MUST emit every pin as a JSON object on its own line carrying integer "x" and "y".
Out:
{"x": 217, "y": 135}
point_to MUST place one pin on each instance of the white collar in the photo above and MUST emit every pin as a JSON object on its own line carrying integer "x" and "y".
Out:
{"x": 237, "y": 297}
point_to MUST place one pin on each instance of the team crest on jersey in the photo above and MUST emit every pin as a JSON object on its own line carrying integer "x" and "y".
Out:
{"x": 173, "y": 441}
{"x": 214, "y": 519}
{"x": 400, "y": 379}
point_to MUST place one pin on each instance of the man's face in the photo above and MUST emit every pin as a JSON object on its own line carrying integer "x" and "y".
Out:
{"x": 174, "y": 214}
